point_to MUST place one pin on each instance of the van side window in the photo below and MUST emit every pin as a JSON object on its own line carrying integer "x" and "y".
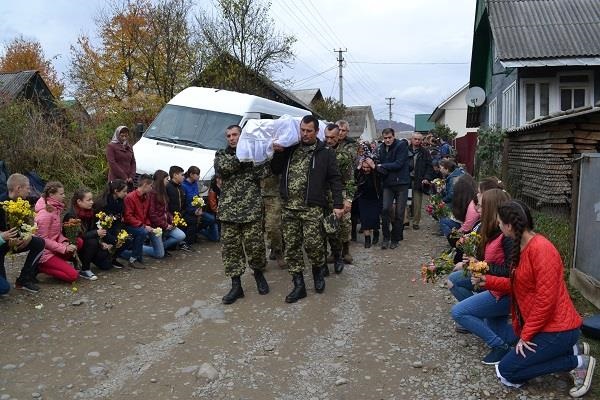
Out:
{"x": 268, "y": 116}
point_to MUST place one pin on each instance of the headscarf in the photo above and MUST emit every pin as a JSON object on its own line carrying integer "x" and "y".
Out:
{"x": 115, "y": 138}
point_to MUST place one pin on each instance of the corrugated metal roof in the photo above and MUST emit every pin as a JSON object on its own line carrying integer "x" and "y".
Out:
{"x": 307, "y": 95}
{"x": 554, "y": 117}
{"x": 525, "y": 29}
{"x": 551, "y": 62}
{"x": 13, "y": 83}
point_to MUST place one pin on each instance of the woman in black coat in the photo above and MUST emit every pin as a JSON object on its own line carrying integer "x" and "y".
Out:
{"x": 369, "y": 196}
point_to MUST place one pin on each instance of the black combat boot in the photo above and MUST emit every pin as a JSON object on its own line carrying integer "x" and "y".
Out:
{"x": 367, "y": 242}
{"x": 375, "y": 236}
{"x": 319, "y": 279}
{"x": 299, "y": 291}
{"x": 261, "y": 282}
{"x": 338, "y": 263}
{"x": 325, "y": 270}
{"x": 236, "y": 291}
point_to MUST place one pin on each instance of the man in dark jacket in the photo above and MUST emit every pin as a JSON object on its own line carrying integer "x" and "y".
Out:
{"x": 178, "y": 203}
{"x": 241, "y": 216}
{"x": 394, "y": 166}
{"x": 421, "y": 174}
{"x": 308, "y": 171}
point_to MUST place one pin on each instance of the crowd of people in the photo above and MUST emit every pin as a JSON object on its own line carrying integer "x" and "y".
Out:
{"x": 309, "y": 200}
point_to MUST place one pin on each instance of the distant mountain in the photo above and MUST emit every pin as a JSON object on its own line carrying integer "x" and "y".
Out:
{"x": 397, "y": 126}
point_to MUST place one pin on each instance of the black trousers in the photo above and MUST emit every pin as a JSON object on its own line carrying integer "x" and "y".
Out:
{"x": 30, "y": 268}
{"x": 92, "y": 252}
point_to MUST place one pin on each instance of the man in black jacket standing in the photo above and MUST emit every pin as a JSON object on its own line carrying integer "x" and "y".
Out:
{"x": 421, "y": 174}
{"x": 308, "y": 171}
{"x": 394, "y": 168}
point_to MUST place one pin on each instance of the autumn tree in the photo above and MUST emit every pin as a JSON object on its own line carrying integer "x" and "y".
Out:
{"x": 23, "y": 55}
{"x": 243, "y": 30}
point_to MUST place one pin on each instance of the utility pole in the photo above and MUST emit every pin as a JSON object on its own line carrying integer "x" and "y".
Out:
{"x": 389, "y": 103}
{"x": 340, "y": 60}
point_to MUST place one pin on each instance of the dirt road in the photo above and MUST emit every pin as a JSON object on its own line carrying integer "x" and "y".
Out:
{"x": 162, "y": 333}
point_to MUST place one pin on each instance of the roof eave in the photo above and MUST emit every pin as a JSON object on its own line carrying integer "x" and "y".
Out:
{"x": 551, "y": 62}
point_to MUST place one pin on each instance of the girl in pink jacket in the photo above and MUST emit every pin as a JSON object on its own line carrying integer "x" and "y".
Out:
{"x": 58, "y": 250}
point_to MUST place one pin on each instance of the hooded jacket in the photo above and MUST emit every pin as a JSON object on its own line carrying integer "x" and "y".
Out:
{"x": 50, "y": 227}
{"x": 120, "y": 157}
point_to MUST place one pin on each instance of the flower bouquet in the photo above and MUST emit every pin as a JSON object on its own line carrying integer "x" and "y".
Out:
{"x": 20, "y": 215}
{"x": 178, "y": 220}
{"x": 477, "y": 269}
{"x": 439, "y": 266}
{"x": 157, "y": 231}
{"x": 122, "y": 237}
{"x": 439, "y": 184}
{"x": 105, "y": 221}
{"x": 72, "y": 229}
{"x": 469, "y": 243}
{"x": 437, "y": 208}
{"x": 197, "y": 201}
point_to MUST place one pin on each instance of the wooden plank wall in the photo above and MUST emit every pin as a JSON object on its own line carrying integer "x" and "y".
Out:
{"x": 540, "y": 161}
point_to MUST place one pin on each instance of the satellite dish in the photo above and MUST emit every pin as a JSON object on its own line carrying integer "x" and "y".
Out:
{"x": 475, "y": 96}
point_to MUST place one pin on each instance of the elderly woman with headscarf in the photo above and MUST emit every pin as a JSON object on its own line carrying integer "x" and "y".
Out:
{"x": 121, "y": 161}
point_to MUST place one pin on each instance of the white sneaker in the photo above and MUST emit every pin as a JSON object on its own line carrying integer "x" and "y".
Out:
{"x": 88, "y": 275}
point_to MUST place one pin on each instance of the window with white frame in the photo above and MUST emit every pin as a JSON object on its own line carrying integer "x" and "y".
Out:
{"x": 509, "y": 107}
{"x": 575, "y": 90}
{"x": 536, "y": 98}
{"x": 492, "y": 113}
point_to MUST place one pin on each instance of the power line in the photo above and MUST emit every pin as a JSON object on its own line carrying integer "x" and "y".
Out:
{"x": 313, "y": 76}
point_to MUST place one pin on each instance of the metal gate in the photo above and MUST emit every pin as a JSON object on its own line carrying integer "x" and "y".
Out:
{"x": 586, "y": 257}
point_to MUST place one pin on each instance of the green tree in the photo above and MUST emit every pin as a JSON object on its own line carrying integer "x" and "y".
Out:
{"x": 444, "y": 132}
{"x": 488, "y": 156}
{"x": 330, "y": 109}
{"x": 243, "y": 30}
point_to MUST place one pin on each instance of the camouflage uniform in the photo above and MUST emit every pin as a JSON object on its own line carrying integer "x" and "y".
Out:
{"x": 349, "y": 146}
{"x": 272, "y": 202}
{"x": 241, "y": 213}
{"x": 345, "y": 161}
{"x": 302, "y": 224}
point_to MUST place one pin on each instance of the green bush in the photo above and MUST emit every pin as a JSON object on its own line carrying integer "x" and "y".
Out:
{"x": 488, "y": 156}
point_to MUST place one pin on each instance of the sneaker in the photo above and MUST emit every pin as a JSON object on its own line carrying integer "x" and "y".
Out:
{"x": 185, "y": 247}
{"x": 393, "y": 245}
{"x": 167, "y": 254}
{"x": 582, "y": 377}
{"x": 460, "y": 329}
{"x": 384, "y": 244}
{"x": 116, "y": 264}
{"x": 135, "y": 264}
{"x": 495, "y": 355}
{"x": 416, "y": 227}
{"x": 27, "y": 286}
{"x": 583, "y": 349}
{"x": 88, "y": 275}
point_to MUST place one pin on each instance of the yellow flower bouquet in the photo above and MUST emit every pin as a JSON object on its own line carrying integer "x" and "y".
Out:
{"x": 105, "y": 221}
{"x": 477, "y": 269}
{"x": 197, "y": 201}
{"x": 157, "y": 231}
{"x": 122, "y": 237}
{"x": 178, "y": 220}
{"x": 20, "y": 215}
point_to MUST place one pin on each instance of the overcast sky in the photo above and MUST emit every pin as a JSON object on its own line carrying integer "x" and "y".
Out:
{"x": 375, "y": 32}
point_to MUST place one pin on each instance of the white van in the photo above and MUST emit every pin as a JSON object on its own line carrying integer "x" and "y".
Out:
{"x": 191, "y": 127}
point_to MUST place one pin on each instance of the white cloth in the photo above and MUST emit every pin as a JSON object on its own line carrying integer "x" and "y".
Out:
{"x": 258, "y": 135}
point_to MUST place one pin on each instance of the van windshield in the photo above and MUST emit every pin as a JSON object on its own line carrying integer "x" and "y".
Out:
{"x": 192, "y": 127}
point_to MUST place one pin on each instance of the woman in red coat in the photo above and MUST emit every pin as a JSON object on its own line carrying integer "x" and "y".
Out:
{"x": 119, "y": 154}
{"x": 543, "y": 315}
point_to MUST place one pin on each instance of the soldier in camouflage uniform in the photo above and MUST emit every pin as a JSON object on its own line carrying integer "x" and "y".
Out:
{"x": 272, "y": 202}
{"x": 308, "y": 170}
{"x": 241, "y": 216}
{"x": 345, "y": 164}
{"x": 350, "y": 146}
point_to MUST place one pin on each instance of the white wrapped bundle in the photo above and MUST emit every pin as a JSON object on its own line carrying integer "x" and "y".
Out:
{"x": 258, "y": 136}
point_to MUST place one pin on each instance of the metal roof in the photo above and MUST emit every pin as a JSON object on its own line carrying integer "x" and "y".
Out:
{"x": 524, "y": 29}
{"x": 555, "y": 117}
{"x": 13, "y": 83}
{"x": 551, "y": 62}
{"x": 307, "y": 95}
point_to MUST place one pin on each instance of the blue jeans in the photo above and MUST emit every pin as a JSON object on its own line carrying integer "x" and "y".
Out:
{"x": 553, "y": 353}
{"x": 462, "y": 287}
{"x": 173, "y": 237}
{"x": 486, "y": 317}
{"x": 447, "y": 224}
{"x": 4, "y": 286}
{"x": 210, "y": 227}
{"x": 139, "y": 235}
{"x": 400, "y": 194}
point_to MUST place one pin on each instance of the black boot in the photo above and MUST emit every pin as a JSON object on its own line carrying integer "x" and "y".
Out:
{"x": 299, "y": 291}
{"x": 338, "y": 264}
{"x": 325, "y": 270}
{"x": 375, "y": 236}
{"x": 236, "y": 291}
{"x": 319, "y": 279}
{"x": 367, "y": 242}
{"x": 261, "y": 282}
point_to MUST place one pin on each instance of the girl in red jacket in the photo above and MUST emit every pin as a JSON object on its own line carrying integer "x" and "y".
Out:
{"x": 543, "y": 315}
{"x": 58, "y": 251}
